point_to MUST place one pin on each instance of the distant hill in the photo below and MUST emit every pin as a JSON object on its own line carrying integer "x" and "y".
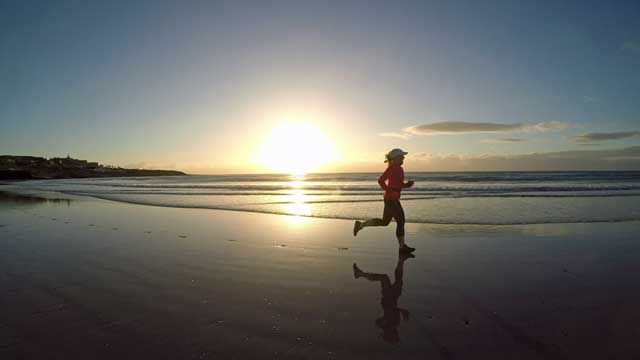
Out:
{"x": 31, "y": 167}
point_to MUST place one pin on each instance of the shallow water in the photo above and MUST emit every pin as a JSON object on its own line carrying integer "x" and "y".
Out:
{"x": 445, "y": 198}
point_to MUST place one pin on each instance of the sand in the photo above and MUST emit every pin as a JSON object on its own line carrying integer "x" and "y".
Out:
{"x": 93, "y": 279}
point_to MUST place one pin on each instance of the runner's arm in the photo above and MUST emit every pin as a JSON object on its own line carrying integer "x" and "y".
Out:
{"x": 382, "y": 179}
{"x": 408, "y": 184}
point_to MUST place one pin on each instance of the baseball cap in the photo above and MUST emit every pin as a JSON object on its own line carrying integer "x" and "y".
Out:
{"x": 394, "y": 154}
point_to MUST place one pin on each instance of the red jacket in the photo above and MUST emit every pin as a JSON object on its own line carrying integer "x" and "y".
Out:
{"x": 395, "y": 176}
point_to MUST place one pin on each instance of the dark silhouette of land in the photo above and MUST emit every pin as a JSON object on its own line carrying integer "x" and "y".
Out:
{"x": 31, "y": 167}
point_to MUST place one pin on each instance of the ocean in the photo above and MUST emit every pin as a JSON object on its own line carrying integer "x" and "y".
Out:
{"x": 482, "y": 198}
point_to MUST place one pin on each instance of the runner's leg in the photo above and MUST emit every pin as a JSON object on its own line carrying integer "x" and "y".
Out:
{"x": 387, "y": 215}
{"x": 398, "y": 215}
{"x": 384, "y": 280}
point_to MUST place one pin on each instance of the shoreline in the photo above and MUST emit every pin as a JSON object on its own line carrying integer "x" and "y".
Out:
{"x": 353, "y": 219}
{"x": 231, "y": 209}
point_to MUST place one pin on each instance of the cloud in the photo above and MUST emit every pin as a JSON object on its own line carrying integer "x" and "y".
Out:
{"x": 396, "y": 135}
{"x": 631, "y": 47}
{"x": 461, "y": 127}
{"x": 421, "y": 155}
{"x": 612, "y": 159}
{"x": 505, "y": 140}
{"x": 627, "y": 158}
{"x": 588, "y": 144}
{"x": 602, "y": 136}
{"x": 547, "y": 126}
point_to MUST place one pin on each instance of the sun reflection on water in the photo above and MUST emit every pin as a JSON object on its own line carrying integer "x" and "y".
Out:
{"x": 297, "y": 198}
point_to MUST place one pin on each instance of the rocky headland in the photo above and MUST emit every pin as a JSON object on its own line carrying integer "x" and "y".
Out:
{"x": 31, "y": 167}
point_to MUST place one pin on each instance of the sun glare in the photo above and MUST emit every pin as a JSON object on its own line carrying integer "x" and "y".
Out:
{"x": 296, "y": 148}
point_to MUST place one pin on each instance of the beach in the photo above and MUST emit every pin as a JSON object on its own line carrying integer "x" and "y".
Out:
{"x": 89, "y": 278}
{"x": 319, "y": 180}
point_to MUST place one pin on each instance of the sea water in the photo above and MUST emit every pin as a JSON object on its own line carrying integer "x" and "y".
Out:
{"x": 437, "y": 197}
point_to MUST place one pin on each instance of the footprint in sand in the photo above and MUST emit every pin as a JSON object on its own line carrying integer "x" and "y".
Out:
{"x": 53, "y": 219}
{"x": 279, "y": 245}
{"x": 115, "y": 228}
{"x": 343, "y": 248}
{"x": 182, "y": 236}
{"x": 147, "y": 232}
{"x": 231, "y": 240}
{"x": 67, "y": 222}
{"x": 91, "y": 225}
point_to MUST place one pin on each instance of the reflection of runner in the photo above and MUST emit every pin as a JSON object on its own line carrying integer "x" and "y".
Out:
{"x": 392, "y": 182}
{"x": 390, "y": 293}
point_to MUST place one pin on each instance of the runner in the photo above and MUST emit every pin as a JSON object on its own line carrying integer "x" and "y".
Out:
{"x": 392, "y": 182}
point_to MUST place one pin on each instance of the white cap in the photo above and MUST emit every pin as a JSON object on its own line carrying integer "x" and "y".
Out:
{"x": 394, "y": 154}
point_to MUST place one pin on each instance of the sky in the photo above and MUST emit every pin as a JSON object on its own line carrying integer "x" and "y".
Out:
{"x": 199, "y": 86}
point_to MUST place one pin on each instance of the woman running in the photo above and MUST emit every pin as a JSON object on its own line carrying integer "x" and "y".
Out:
{"x": 392, "y": 182}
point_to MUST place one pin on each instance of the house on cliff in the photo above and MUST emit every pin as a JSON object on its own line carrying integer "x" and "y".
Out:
{"x": 70, "y": 162}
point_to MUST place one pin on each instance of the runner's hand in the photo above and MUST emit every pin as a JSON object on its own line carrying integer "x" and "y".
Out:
{"x": 410, "y": 183}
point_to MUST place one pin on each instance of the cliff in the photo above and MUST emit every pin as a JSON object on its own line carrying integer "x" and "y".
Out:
{"x": 30, "y": 167}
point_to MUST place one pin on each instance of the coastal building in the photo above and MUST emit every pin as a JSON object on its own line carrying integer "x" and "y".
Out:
{"x": 74, "y": 163}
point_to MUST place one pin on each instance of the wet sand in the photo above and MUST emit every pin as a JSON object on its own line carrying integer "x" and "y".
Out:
{"x": 92, "y": 279}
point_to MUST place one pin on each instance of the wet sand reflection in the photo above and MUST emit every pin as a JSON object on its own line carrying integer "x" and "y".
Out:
{"x": 390, "y": 320}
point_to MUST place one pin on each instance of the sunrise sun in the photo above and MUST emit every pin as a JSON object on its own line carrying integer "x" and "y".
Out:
{"x": 296, "y": 148}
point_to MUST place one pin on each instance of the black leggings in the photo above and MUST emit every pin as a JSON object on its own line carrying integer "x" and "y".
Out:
{"x": 392, "y": 209}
